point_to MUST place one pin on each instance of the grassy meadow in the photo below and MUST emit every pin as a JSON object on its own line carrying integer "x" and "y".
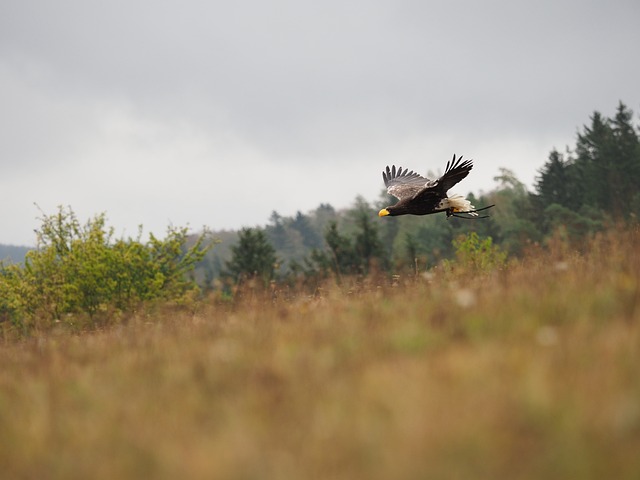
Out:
{"x": 527, "y": 372}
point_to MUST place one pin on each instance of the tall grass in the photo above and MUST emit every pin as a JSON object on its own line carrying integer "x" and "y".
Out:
{"x": 531, "y": 371}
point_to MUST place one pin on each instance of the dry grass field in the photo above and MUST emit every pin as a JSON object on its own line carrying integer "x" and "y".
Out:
{"x": 531, "y": 372}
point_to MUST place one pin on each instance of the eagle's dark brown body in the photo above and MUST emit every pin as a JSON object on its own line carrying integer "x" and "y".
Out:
{"x": 418, "y": 195}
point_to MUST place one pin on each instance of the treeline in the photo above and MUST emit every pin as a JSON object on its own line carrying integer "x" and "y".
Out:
{"x": 577, "y": 193}
{"x": 81, "y": 271}
{"x": 595, "y": 182}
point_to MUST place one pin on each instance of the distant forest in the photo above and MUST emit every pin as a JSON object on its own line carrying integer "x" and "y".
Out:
{"x": 578, "y": 192}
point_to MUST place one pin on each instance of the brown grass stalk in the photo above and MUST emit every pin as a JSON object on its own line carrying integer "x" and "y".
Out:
{"x": 527, "y": 372}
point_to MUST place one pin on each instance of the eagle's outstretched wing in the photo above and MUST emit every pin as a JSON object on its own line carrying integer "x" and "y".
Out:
{"x": 404, "y": 184}
{"x": 456, "y": 170}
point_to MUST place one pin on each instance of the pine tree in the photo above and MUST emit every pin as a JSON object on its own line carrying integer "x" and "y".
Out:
{"x": 310, "y": 239}
{"x": 367, "y": 245}
{"x": 411, "y": 252}
{"x": 277, "y": 232}
{"x": 626, "y": 155}
{"x": 340, "y": 251}
{"x": 553, "y": 184}
{"x": 252, "y": 257}
{"x": 607, "y": 163}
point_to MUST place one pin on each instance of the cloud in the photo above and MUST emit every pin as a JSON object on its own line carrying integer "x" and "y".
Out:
{"x": 219, "y": 112}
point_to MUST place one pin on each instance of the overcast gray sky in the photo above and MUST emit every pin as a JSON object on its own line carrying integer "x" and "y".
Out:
{"x": 217, "y": 113}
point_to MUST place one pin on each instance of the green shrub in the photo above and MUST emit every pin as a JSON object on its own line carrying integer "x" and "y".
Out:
{"x": 82, "y": 269}
{"x": 476, "y": 255}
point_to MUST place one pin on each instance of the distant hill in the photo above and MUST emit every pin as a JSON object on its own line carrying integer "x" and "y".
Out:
{"x": 13, "y": 253}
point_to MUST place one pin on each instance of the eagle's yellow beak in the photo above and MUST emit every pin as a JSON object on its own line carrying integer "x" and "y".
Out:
{"x": 383, "y": 213}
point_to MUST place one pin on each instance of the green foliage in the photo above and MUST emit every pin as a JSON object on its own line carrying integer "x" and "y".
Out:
{"x": 578, "y": 193}
{"x": 354, "y": 252}
{"x": 554, "y": 185}
{"x": 253, "y": 257}
{"x": 295, "y": 237}
{"x": 534, "y": 376}
{"x": 82, "y": 269}
{"x": 338, "y": 258}
{"x": 476, "y": 255}
{"x": 603, "y": 171}
{"x": 367, "y": 247}
{"x": 411, "y": 251}
{"x": 310, "y": 237}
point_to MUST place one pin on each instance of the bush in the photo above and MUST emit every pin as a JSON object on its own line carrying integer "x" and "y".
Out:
{"x": 82, "y": 269}
{"x": 475, "y": 255}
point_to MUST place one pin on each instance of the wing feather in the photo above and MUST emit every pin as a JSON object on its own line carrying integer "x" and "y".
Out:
{"x": 455, "y": 171}
{"x": 403, "y": 183}
{"x": 406, "y": 184}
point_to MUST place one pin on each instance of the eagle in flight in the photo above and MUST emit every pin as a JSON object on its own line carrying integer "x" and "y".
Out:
{"x": 418, "y": 195}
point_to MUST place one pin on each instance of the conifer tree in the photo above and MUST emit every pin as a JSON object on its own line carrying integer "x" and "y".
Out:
{"x": 600, "y": 177}
{"x": 367, "y": 245}
{"x": 310, "y": 239}
{"x": 340, "y": 251}
{"x": 277, "y": 233}
{"x": 594, "y": 164}
{"x": 553, "y": 184}
{"x": 626, "y": 153}
{"x": 252, "y": 257}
